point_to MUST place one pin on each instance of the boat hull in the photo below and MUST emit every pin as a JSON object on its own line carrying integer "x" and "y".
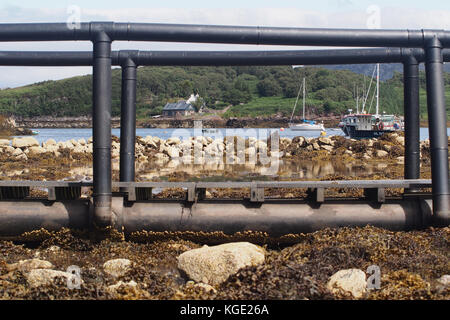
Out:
{"x": 353, "y": 133}
{"x": 307, "y": 127}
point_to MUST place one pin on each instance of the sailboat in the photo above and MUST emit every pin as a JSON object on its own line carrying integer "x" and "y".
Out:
{"x": 366, "y": 125}
{"x": 304, "y": 125}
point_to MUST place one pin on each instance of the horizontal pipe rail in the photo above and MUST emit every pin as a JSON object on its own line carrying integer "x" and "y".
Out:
{"x": 208, "y": 58}
{"x": 222, "y": 34}
{"x": 276, "y": 217}
{"x": 407, "y": 183}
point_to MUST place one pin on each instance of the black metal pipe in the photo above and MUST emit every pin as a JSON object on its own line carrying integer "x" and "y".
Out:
{"x": 412, "y": 118}
{"x": 128, "y": 122}
{"x": 204, "y": 58}
{"x": 276, "y": 218}
{"x": 437, "y": 126}
{"x": 221, "y": 34}
{"x": 101, "y": 126}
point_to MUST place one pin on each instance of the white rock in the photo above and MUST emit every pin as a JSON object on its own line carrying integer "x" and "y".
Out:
{"x": 117, "y": 267}
{"x": 81, "y": 141}
{"x": 444, "y": 280}
{"x": 9, "y": 149}
{"x": 24, "y": 142}
{"x": 348, "y": 281}
{"x": 327, "y": 147}
{"x": 40, "y": 277}
{"x": 37, "y": 150}
{"x": 49, "y": 142}
{"x": 173, "y": 152}
{"x": 173, "y": 140}
{"x": 17, "y": 152}
{"x": 400, "y": 140}
{"x": 213, "y": 265}
{"x": 4, "y": 142}
{"x": 30, "y": 264}
{"x": 381, "y": 153}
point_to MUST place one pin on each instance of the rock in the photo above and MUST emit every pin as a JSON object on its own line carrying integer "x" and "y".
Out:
{"x": 348, "y": 152}
{"x": 387, "y": 147}
{"x": 162, "y": 157}
{"x": 299, "y": 141}
{"x": 381, "y": 153}
{"x": 206, "y": 287}
{"x": 53, "y": 249}
{"x": 444, "y": 280}
{"x": 25, "y": 142}
{"x": 327, "y": 147}
{"x": 4, "y": 142}
{"x": 41, "y": 277}
{"x": 315, "y": 146}
{"x": 22, "y": 157}
{"x": 49, "y": 142}
{"x": 112, "y": 289}
{"x": 173, "y": 140}
{"x": 213, "y": 265}
{"x": 400, "y": 140}
{"x": 348, "y": 281}
{"x": 117, "y": 267}
{"x": 17, "y": 152}
{"x": 37, "y": 150}
{"x": 9, "y": 149}
{"x": 370, "y": 143}
{"x": 401, "y": 160}
{"x": 29, "y": 264}
{"x": 81, "y": 142}
{"x": 173, "y": 152}
{"x": 327, "y": 141}
{"x": 90, "y": 140}
{"x": 366, "y": 156}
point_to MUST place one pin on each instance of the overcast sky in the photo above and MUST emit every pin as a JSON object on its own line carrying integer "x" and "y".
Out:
{"x": 412, "y": 14}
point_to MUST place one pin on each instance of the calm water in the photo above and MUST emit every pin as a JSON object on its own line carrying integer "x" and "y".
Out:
{"x": 67, "y": 134}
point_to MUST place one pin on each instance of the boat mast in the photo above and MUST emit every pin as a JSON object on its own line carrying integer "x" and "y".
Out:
{"x": 304, "y": 93}
{"x": 378, "y": 87}
{"x": 357, "y": 100}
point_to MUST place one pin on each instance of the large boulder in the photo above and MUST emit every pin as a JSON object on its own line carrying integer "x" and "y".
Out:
{"x": 213, "y": 265}
{"x": 41, "y": 277}
{"x": 25, "y": 142}
{"x": 4, "y": 142}
{"x": 346, "y": 281}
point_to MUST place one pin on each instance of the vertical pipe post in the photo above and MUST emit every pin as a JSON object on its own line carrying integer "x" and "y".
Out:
{"x": 412, "y": 118}
{"x": 128, "y": 122}
{"x": 101, "y": 126}
{"x": 437, "y": 123}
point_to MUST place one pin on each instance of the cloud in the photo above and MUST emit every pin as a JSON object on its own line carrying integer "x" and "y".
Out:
{"x": 347, "y": 17}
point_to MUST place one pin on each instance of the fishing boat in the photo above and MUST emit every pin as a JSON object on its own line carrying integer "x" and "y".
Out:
{"x": 362, "y": 125}
{"x": 304, "y": 125}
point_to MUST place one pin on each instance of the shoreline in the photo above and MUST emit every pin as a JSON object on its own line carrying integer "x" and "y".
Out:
{"x": 165, "y": 123}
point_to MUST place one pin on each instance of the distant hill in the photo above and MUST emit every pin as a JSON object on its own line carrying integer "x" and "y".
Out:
{"x": 250, "y": 91}
{"x": 387, "y": 70}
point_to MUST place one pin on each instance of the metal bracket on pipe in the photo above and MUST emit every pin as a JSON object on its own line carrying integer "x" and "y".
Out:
{"x": 375, "y": 194}
{"x": 316, "y": 195}
{"x": 256, "y": 194}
